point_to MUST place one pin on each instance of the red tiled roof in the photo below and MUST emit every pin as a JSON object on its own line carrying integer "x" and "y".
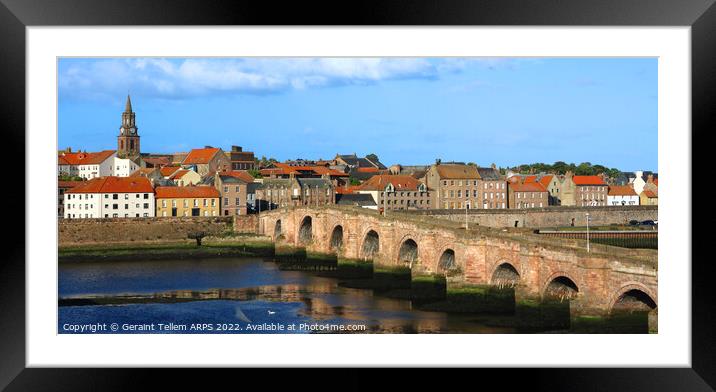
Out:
{"x": 367, "y": 169}
{"x": 527, "y": 187}
{"x": 167, "y": 171}
{"x": 179, "y": 192}
{"x": 621, "y": 190}
{"x": 588, "y": 180}
{"x": 114, "y": 185}
{"x": 178, "y": 174}
{"x": 242, "y": 175}
{"x": 157, "y": 161}
{"x": 650, "y": 194}
{"x": 545, "y": 180}
{"x": 69, "y": 184}
{"x": 84, "y": 158}
{"x": 530, "y": 178}
{"x": 200, "y": 156}
{"x": 142, "y": 172}
{"x": 341, "y": 190}
{"x": 380, "y": 181}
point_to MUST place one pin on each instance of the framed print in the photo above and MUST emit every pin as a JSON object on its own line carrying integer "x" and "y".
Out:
{"x": 471, "y": 185}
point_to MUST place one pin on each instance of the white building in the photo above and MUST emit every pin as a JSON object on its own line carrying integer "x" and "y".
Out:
{"x": 622, "y": 195}
{"x": 87, "y": 165}
{"x": 111, "y": 197}
{"x": 123, "y": 167}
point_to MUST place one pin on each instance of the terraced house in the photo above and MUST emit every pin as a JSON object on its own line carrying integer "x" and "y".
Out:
{"x": 396, "y": 192}
{"x": 205, "y": 160}
{"x": 527, "y": 195}
{"x": 187, "y": 201}
{"x": 282, "y": 192}
{"x": 110, "y": 197}
{"x": 461, "y": 186}
{"x": 590, "y": 191}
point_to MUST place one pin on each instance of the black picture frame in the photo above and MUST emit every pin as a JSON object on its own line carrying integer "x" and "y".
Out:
{"x": 15, "y": 15}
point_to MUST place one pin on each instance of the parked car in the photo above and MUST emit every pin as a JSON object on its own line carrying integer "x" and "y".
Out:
{"x": 634, "y": 222}
{"x": 648, "y": 223}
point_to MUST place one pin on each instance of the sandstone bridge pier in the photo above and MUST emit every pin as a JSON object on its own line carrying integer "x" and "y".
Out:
{"x": 537, "y": 267}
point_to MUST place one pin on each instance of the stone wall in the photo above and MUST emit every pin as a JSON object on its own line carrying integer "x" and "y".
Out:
{"x": 546, "y": 217}
{"x": 83, "y": 231}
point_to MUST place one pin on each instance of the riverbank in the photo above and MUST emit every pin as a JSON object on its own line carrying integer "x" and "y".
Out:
{"x": 239, "y": 245}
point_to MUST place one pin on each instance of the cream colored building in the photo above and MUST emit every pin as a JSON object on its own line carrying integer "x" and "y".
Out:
{"x": 187, "y": 201}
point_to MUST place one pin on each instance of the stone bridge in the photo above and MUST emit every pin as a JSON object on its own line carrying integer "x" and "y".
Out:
{"x": 537, "y": 267}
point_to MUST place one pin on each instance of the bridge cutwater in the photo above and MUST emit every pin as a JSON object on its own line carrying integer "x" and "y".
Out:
{"x": 536, "y": 266}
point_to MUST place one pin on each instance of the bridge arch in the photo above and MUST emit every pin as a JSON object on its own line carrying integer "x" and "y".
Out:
{"x": 560, "y": 285}
{"x": 633, "y": 296}
{"x": 447, "y": 261}
{"x": 408, "y": 251}
{"x": 336, "y": 243}
{"x": 370, "y": 246}
{"x": 505, "y": 275}
{"x": 277, "y": 230}
{"x": 305, "y": 231}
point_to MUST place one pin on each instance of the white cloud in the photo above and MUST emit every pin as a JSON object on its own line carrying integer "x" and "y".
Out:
{"x": 182, "y": 78}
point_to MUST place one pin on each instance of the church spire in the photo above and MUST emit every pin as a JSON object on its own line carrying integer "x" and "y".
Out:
{"x": 128, "y": 107}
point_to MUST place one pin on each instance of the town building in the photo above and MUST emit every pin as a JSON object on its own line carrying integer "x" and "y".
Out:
{"x": 491, "y": 189}
{"x": 62, "y": 187}
{"x": 156, "y": 160}
{"x": 649, "y": 198}
{"x": 185, "y": 177}
{"x": 396, "y": 192}
{"x": 128, "y": 138}
{"x": 283, "y": 192}
{"x": 590, "y": 191}
{"x": 240, "y": 159}
{"x": 531, "y": 194}
{"x": 237, "y": 196}
{"x": 124, "y": 167}
{"x": 87, "y": 165}
{"x": 285, "y": 170}
{"x": 622, "y": 195}
{"x": 187, "y": 201}
{"x": 205, "y": 160}
{"x": 354, "y": 162}
{"x": 110, "y": 197}
{"x": 460, "y": 186}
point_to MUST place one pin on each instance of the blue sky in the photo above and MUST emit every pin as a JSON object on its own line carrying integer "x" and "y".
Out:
{"x": 406, "y": 110}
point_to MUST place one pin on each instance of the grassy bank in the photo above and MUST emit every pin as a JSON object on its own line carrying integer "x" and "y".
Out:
{"x": 240, "y": 246}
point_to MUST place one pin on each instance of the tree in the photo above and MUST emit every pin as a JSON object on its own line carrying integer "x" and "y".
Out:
{"x": 255, "y": 173}
{"x": 197, "y": 235}
{"x": 372, "y": 157}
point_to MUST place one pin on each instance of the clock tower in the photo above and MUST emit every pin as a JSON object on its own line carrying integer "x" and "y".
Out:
{"x": 128, "y": 139}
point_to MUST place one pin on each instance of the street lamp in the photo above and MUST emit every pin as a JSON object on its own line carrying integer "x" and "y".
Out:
{"x": 467, "y": 205}
{"x": 587, "y": 214}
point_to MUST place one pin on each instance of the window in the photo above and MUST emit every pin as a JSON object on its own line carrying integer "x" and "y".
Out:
{"x": 238, "y": 202}
{"x": 164, "y": 204}
{"x": 146, "y": 195}
{"x": 146, "y": 205}
{"x": 126, "y": 196}
{"x": 213, "y": 202}
{"x": 137, "y": 205}
{"x": 115, "y": 206}
{"x": 137, "y": 195}
{"x": 126, "y": 206}
{"x": 115, "y": 196}
{"x": 226, "y": 201}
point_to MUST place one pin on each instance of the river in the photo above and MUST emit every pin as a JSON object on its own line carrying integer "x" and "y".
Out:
{"x": 240, "y": 295}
